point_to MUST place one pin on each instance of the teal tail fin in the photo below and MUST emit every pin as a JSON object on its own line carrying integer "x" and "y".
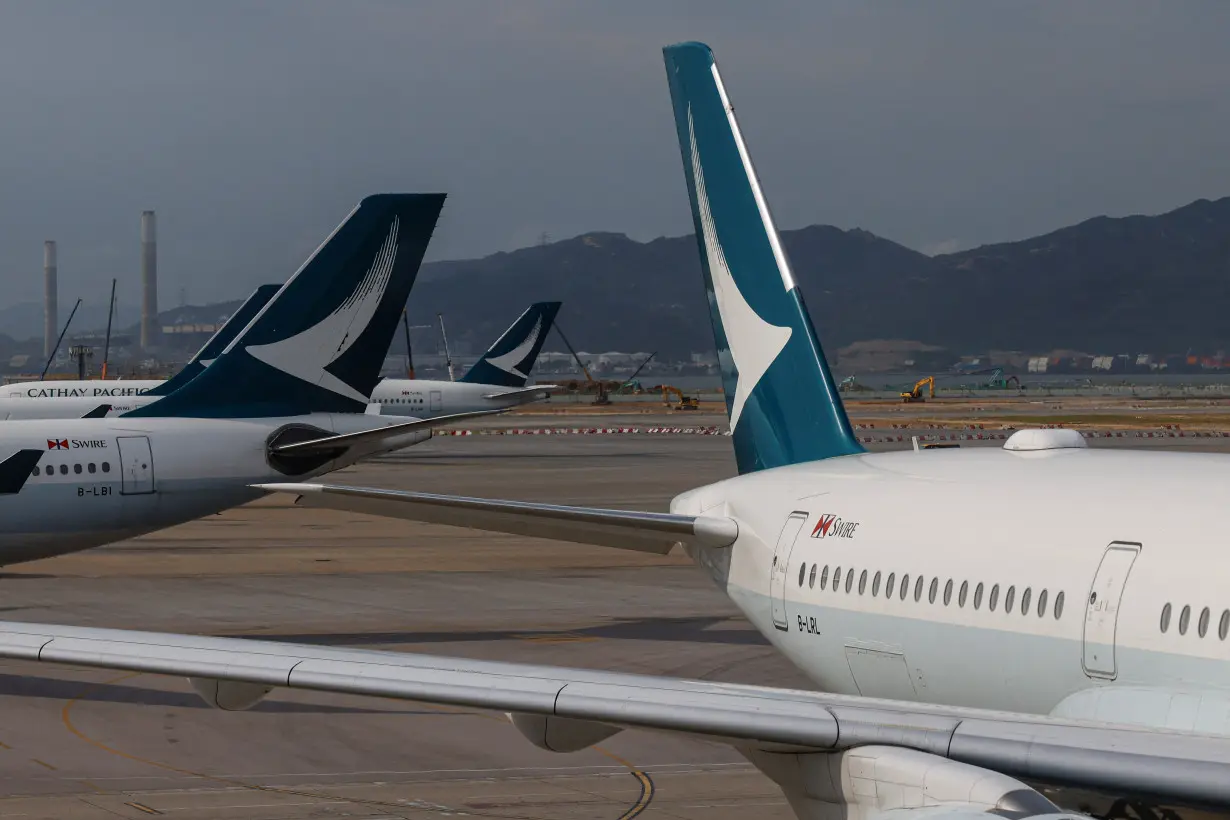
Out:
{"x": 783, "y": 403}
{"x": 319, "y": 344}
{"x": 218, "y": 342}
{"x": 509, "y": 361}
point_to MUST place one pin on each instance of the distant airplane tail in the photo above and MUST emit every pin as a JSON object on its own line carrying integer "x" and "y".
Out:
{"x": 509, "y": 361}
{"x": 218, "y": 342}
{"x": 319, "y": 344}
{"x": 783, "y": 403}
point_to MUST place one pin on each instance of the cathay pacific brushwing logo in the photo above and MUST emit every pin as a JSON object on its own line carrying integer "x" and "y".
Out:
{"x": 508, "y": 361}
{"x": 306, "y": 355}
{"x": 754, "y": 343}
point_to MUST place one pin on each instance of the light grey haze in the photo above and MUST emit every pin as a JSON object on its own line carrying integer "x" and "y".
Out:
{"x": 253, "y": 127}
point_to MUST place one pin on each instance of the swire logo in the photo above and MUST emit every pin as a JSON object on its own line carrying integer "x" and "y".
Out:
{"x": 57, "y": 444}
{"x": 830, "y": 526}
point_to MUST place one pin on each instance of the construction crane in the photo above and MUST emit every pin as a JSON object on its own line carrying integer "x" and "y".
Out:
{"x": 684, "y": 403}
{"x": 915, "y": 393}
{"x": 631, "y": 383}
{"x": 602, "y": 397}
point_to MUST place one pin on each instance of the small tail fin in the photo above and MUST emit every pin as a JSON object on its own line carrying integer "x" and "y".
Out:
{"x": 509, "y": 361}
{"x": 784, "y": 406}
{"x": 218, "y": 342}
{"x": 318, "y": 345}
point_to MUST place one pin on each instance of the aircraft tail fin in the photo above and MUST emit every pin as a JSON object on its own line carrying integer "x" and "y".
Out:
{"x": 319, "y": 344}
{"x": 218, "y": 342}
{"x": 783, "y": 403}
{"x": 509, "y": 361}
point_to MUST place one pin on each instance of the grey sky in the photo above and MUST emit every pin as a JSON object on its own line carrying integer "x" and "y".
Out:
{"x": 253, "y": 127}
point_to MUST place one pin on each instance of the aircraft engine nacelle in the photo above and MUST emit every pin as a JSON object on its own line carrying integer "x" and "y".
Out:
{"x": 230, "y": 695}
{"x": 557, "y": 734}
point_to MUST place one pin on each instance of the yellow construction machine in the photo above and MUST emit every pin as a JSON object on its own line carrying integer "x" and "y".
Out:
{"x": 683, "y": 403}
{"x": 916, "y": 393}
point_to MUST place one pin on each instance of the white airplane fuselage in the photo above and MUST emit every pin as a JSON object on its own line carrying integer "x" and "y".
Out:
{"x": 88, "y": 389}
{"x": 158, "y": 472}
{"x": 1033, "y": 581}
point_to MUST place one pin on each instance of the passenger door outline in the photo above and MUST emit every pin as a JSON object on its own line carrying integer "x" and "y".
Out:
{"x": 437, "y": 401}
{"x": 136, "y": 465}
{"x": 781, "y": 563}
{"x": 1102, "y": 605}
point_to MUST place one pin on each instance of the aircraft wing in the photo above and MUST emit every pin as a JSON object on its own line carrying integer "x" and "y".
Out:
{"x": 376, "y": 437}
{"x": 1169, "y": 766}
{"x": 523, "y": 395}
{"x": 623, "y": 529}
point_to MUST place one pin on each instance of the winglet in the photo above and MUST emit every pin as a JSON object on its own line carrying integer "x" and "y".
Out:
{"x": 783, "y": 403}
{"x": 509, "y": 361}
{"x": 15, "y": 470}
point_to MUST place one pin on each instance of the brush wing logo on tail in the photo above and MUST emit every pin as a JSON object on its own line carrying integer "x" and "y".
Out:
{"x": 754, "y": 343}
{"x": 508, "y": 361}
{"x": 306, "y": 355}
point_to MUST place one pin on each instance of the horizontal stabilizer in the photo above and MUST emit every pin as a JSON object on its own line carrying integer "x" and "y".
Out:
{"x": 622, "y": 529}
{"x": 523, "y": 395}
{"x": 99, "y": 412}
{"x": 15, "y": 469}
{"x": 376, "y": 437}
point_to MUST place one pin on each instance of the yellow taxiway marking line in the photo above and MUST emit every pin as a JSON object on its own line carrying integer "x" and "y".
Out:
{"x": 44, "y": 764}
{"x": 142, "y": 807}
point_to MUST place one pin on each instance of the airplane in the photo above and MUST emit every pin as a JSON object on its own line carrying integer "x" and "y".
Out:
{"x": 287, "y": 397}
{"x": 966, "y": 668}
{"x": 496, "y": 381}
{"x": 49, "y": 399}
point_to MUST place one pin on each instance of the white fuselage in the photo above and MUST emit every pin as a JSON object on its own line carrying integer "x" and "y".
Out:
{"x": 102, "y": 480}
{"x": 1000, "y": 554}
{"x": 418, "y": 398}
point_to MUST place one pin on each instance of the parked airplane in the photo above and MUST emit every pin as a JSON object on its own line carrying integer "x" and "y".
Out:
{"x": 968, "y": 669}
{"x": 48, "y": 399}
{"x": 496, "y": 381}
{"x": 286, "y": 397}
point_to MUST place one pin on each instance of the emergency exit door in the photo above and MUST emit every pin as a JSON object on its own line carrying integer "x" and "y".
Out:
{"x": 781, "y": 563}
{"x": 136, "y": 465}
{"x": 1102, "y": 609}
{"x": 437, "y": 401}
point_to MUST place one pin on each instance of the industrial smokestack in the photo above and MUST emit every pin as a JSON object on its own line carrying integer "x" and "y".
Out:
{"x": 149, "y": 281}
{"x": 51, "y": 319}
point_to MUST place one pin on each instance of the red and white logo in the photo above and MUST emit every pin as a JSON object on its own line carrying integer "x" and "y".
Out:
{"x": 830, "y": 526}
{"x": 823, "y": 526}
{"x": 57, "y": 444}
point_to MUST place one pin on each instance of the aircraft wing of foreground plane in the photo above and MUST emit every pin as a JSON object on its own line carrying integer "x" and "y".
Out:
{"x": 955, "y": 681}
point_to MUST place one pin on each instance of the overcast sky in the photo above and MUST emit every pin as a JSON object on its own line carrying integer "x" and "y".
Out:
{"x": 253, "y": 127}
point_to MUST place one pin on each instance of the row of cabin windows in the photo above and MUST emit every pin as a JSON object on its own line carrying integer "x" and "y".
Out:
{"x": 933, "y": 591}
{"x": 404, "y": 401}
{"x": 1202, "y": 623}
{"x": 90, "y": 467}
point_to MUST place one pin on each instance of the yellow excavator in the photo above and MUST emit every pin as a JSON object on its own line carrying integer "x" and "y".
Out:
{"x": 916, "y": 393}
{"x": 683, "y": 403}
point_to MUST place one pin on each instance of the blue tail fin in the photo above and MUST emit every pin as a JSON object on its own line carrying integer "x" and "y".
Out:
{"x": 783, "y": 404}
{"x": 509, "y": 361}
{"x": 319, "y": 344}
{"x": 218, "y": 342}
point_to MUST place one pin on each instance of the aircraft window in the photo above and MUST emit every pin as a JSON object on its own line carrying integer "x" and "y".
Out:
{"x": 862, "y": 583}
{"x": 92, "y": 467}
{"x": 1009, "y": 598}
{"x": 905, "y": 585}
{"x": 978, "y": 595}
{"x": 994, "y": 598}
{"x": 63, "y": 469}
{"x": 836, "y": 578}
{"x": 802, "y": 572}
{"x": 811, "y": 579}
{"x": 824, "y": 577}
{"x": 961, "y": 596}
{"x": 888, "y": 585}
{"x": 1041, "y": 603}
{"x": 948, "y": 592}
{"x": 1185, "y": 618}
{"x": 76, "y": 468}
{"x": 36, "y": 470}
{"x": 935, "y": 588}
{"x": 875, "y": 585}
{"x": 1025, "y": 597}
{"x": 918, "y": 587}
{"x": 1165, "y": 624}
{"x": 849, "y": 580}
{"x": 1058, "y": 604}
{"x": 1202, "y": 626}
{"x": 106, "y": 466}
{"x": 1223, "y": 628}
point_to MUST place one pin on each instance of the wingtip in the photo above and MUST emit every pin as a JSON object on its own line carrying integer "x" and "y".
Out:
{"x": 297, "y": 489}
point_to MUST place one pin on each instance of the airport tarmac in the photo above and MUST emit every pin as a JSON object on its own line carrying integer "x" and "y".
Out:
{"x": 89, "y": 744}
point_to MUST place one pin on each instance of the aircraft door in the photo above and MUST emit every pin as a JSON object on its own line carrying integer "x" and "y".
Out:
{"x": 1102, "y": 609}
{"x": 781, "y": 564}
{"x": 437, "y": 401}
{"x": 136, "y": 465}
